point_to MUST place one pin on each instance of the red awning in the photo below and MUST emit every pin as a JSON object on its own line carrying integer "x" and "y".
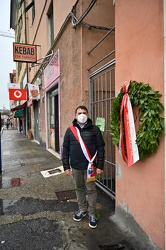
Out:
{"x": 20, "y": 106}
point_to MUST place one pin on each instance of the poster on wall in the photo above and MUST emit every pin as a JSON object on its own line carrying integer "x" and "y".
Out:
{"x": 100, "y": 122}
{"x": 33, "y": 91}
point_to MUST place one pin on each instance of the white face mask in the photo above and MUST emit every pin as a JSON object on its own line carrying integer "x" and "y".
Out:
{"x": 82, "y": 118}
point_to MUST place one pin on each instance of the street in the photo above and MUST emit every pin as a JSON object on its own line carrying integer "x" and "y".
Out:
{"x": 36, "y": 211}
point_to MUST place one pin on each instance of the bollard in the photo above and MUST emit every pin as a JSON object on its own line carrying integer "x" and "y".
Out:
{"x": 0, "y": 146}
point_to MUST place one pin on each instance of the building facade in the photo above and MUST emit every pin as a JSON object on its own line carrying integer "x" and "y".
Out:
{"x": 86, "y": 50}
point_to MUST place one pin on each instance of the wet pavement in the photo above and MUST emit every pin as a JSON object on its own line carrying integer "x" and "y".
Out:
{"x": 35, "y": 214}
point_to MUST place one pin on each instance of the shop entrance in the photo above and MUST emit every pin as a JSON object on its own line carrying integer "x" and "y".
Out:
{"x": 54, "y": 120}
{"x": 36, "y": 120}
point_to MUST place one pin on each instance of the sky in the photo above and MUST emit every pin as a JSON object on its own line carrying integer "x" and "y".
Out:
{"x": 6, "y": 53}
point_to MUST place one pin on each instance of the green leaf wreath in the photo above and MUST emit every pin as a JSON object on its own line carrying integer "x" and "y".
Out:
{"x": 151, "y": 121}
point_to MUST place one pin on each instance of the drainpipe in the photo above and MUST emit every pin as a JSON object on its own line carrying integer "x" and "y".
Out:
{"x": 25, "y": 30}
{"x": 164, "y": 17}
{"x": 76, "y": 22}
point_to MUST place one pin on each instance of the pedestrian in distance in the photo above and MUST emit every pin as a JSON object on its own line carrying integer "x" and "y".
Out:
{"x": 7, "y": 125}
{"x": 83, "y": 157}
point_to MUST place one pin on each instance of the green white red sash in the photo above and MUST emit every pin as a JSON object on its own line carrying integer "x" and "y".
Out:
{"x": 91, "y": 169}
{"x": 127, "y": 145}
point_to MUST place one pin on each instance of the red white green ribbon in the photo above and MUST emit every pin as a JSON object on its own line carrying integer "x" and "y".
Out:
{"x": 91, "y": 169}
{"x": 128, "y": 148}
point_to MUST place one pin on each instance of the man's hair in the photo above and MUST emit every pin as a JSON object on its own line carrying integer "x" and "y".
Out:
{"x": 81, "y": 107}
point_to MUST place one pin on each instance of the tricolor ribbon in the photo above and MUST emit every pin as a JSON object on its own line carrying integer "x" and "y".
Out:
{"x": 128, "y": 148}
{"x": 91, "y": 169}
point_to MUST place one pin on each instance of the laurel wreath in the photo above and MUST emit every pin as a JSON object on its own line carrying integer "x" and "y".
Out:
{"x": 151, "y": 121}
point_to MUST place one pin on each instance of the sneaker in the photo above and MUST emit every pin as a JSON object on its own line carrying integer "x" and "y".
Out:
{"x": 79, "y": 215}
{"x": 92, "y": 221}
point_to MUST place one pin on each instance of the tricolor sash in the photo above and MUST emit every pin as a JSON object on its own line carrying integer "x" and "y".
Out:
{"x": 91, "y": 173}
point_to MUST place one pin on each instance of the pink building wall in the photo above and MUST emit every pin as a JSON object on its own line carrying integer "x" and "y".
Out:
{"x": 139, "y": 45}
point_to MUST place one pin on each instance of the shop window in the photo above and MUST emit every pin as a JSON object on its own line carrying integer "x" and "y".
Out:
{"x": 50, "y": 24}
{"x": 32, "y": 7}
{"x": 19, "y": 3}
{"x": 19, "y": 28}
{"x": 33, "y": 11}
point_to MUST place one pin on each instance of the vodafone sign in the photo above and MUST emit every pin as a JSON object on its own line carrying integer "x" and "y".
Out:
{"x": 17, "y": 94}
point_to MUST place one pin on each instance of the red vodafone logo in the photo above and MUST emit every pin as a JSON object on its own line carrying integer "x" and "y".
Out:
{"x": 17, "y": 94}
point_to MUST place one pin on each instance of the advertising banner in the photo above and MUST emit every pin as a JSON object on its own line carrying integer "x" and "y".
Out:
{"x": 13, "y": 85}
{"x": 17, "y": 94}
{"x": 33, "y": 91}
{"x": 52, "y": 71}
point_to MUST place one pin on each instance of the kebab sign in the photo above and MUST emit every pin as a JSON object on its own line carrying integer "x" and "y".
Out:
{"x": 24, "y": 52}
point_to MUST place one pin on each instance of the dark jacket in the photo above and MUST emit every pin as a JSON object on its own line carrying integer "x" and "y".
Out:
{"x": 73, "y": 156}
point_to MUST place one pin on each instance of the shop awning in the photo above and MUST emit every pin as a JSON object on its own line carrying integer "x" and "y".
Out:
{"x": 18, "y": 113}
{"x": 20, "y": 106}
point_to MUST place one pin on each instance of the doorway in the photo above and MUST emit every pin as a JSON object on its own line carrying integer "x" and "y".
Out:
{"x": 36, "y": 120}
{"x": 54, "y": 120}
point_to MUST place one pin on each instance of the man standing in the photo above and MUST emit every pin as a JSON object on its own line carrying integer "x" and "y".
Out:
{"x": 83, "y": 152}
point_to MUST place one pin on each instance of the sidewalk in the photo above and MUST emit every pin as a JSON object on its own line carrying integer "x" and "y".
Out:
{"x": 34, "y": 216}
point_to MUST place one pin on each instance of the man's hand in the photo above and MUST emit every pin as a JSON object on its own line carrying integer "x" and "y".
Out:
{"x": 99, "y": 171}
{"x": 67, "y": 171}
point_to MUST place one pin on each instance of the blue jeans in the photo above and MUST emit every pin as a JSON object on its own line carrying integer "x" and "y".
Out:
{"x": 85, "y": 191}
